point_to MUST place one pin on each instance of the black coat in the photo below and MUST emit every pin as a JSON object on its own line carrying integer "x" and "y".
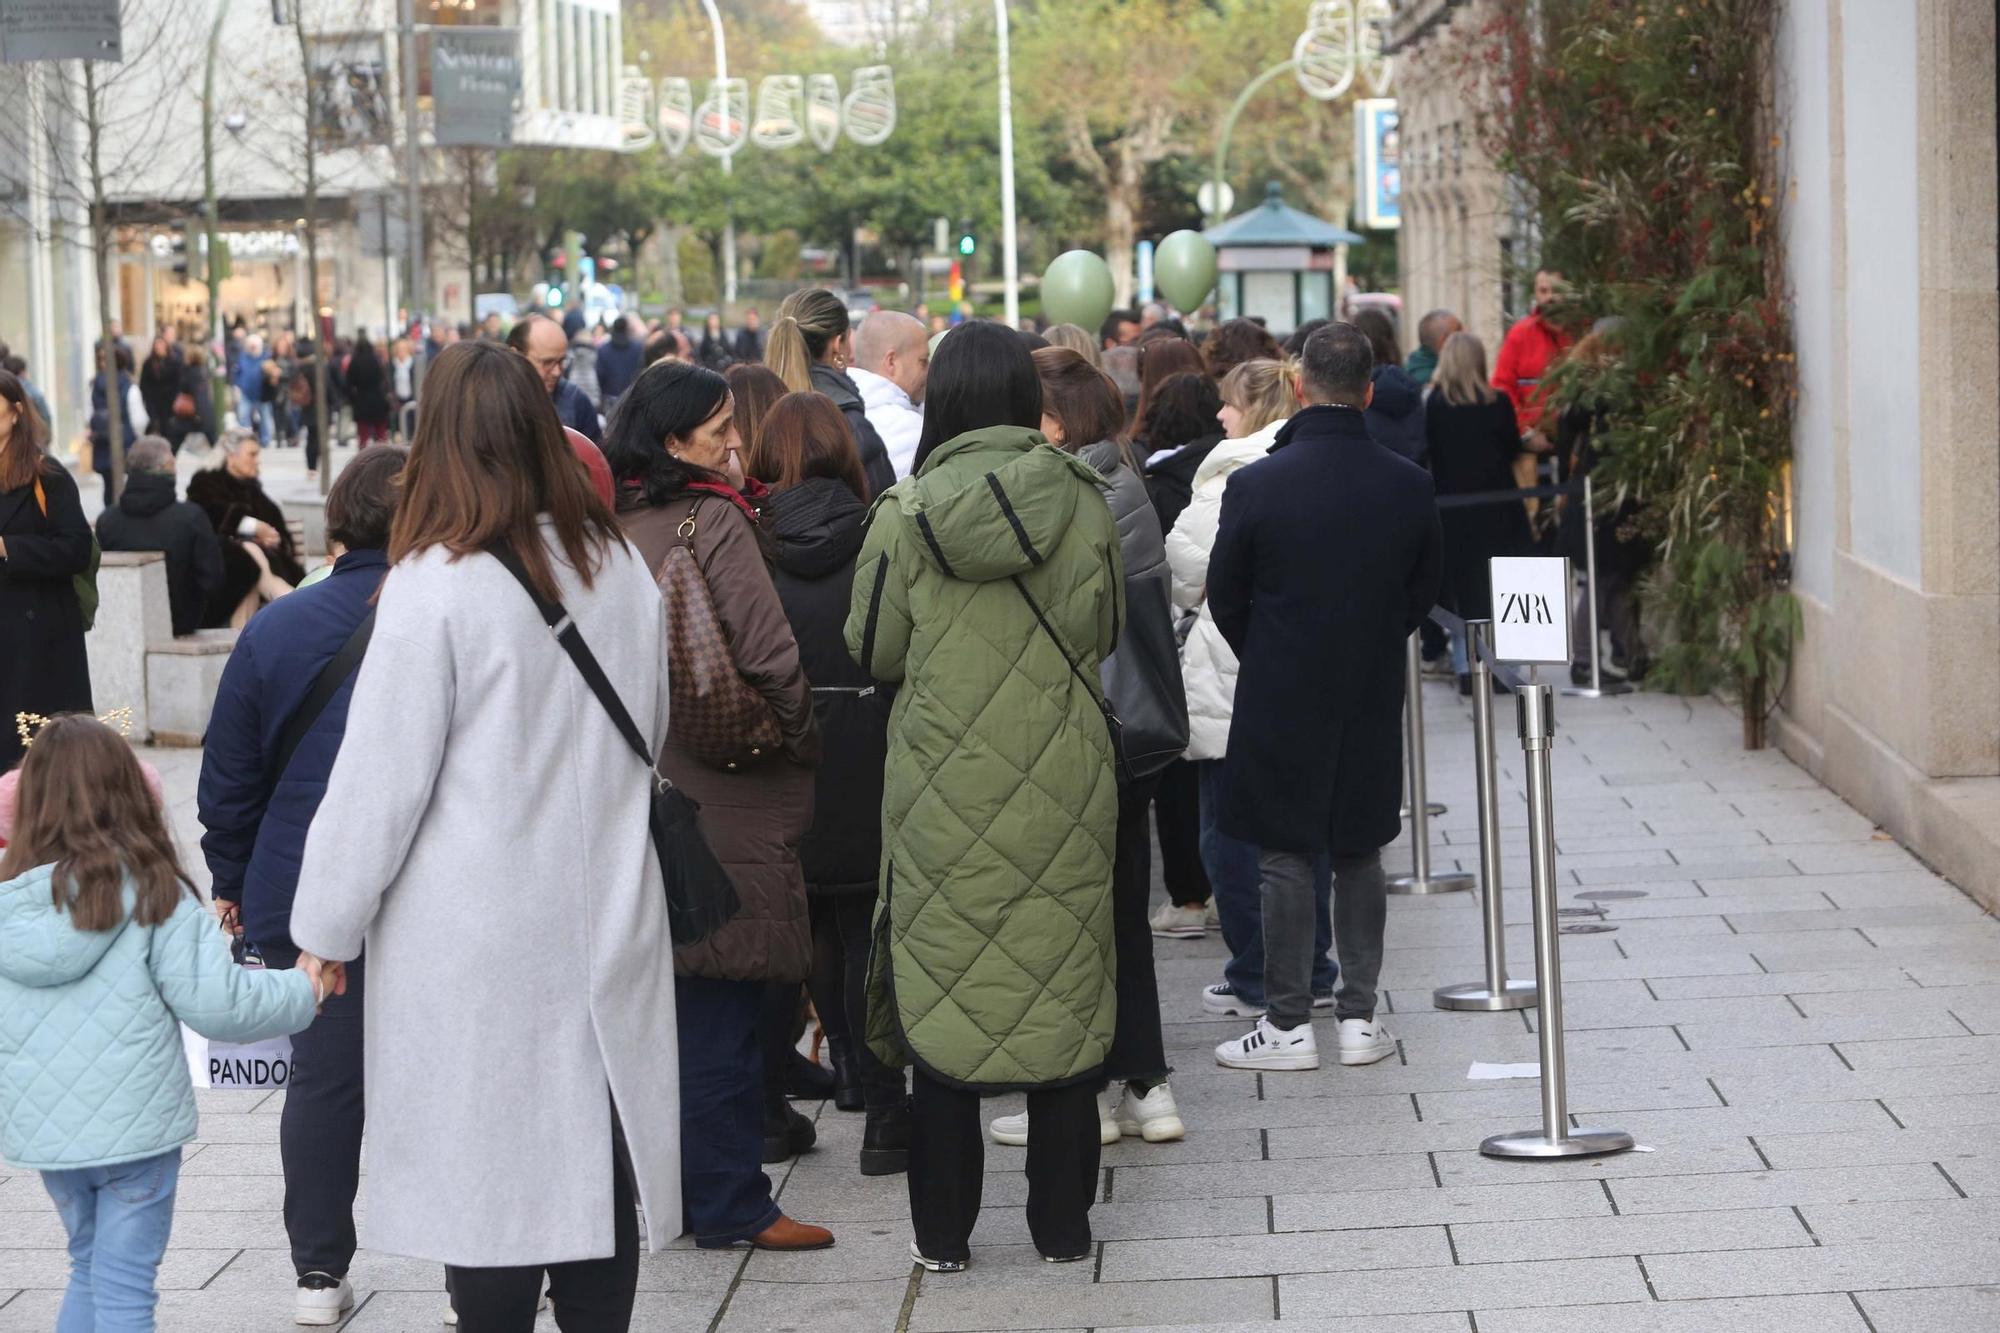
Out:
{"x": 368, "y": 389}
{"x": 749, "y": 346}
{"x": 1396, "y": 413}
{"x": 227, "y": 500}
{"x": 874, "y": 454}
{"x": 148, "y": 518}
{"x": 1326, "y": 560}
{"x": 1170, "y": 482}
{"x": 1472, "y": 448}
{"x": 159, "y": 384}
{"x": 43, "y": 667}
{"x": 817, "y": 529}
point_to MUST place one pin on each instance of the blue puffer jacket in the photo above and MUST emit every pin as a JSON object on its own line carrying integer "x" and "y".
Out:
{"x": 92, "y": 1071}
{"x": 254, "y": 823}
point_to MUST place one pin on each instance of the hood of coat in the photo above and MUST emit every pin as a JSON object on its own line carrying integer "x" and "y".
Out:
{"x": 146, "y": 494}
{"x": 38, "y": 945}
{"x": 827, "y": 380}
{"x": 1230, "y": 455}
{"x": 993, "y": 503}
{"x": 817, "y": 527}
{"x": 1396, "y": 394}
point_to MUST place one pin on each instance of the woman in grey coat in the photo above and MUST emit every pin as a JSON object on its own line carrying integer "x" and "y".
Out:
{"x": 485, "y": 831}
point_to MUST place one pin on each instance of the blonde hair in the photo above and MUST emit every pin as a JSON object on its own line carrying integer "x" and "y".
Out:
{"x": 808, "y": 323}
{"x": 1264, "y": 391}
{"x": 1460, "y": 377}
{"x": 1078, "y": 340}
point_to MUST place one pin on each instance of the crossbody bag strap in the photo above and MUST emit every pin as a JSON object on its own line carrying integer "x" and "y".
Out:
{"x": 1096, "y": 691}
{"x": 325, "y": 685}
{"x": 571, "y": 639}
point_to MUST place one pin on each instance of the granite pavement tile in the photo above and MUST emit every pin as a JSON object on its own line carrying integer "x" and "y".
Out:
{"x": 1860, "y": 1267}
{"x": 1451, "y": 1204}
{"x": 1375, "y": 1248}
{"x": 942, "y": 1307}
{"x": 1877, "y": 1146}
{"x": 1652, "y": 1233}
{"x": 1780, "y": 1314}
{"x": 1941, "y": 1310}
{"x": 1940, "y": 1221}
{"x": 1760, "y": 1189}
{"x": 853, "y": 1307}
{"x": 1313, "y": 1296}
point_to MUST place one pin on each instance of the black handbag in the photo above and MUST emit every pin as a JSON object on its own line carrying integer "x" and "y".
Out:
{"x": 700, "y": 896}
{"x": 1142, "y": 679}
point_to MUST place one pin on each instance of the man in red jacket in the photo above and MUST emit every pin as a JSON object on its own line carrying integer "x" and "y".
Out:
{"x": 1531, "y": 347}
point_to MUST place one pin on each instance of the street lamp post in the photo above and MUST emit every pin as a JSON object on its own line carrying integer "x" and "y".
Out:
{"x": 218, "y": 371}
{"x": 729, "y": 216}
{"x": 413, "y": 223}
{"x": 1009, "y": 256}
{"x": 1218, "y": 213}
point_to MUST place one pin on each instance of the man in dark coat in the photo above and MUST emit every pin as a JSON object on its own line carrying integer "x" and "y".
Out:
{"x": 618, "y": 362}
{"x": 149, "y": 517}
{"x": 254, "y": 819}
{"x": 750, "y": 339}
{"x": 1327, "y": 559}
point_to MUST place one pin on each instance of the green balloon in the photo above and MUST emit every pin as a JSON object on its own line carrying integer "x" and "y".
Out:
{"x": 1077, "y": 289}
{"x": 1184, "y": 269}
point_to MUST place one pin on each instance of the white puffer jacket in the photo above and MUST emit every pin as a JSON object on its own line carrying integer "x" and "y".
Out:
{"x": 1208, "y": 664}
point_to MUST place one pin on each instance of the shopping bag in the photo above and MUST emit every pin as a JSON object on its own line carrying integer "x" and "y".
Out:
{"x": 264, "y": 1065}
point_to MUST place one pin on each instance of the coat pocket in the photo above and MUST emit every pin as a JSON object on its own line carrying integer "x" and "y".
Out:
{"x": 885, "y": 1028}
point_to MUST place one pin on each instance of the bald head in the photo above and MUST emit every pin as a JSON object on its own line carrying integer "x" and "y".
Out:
{"x": 896, "y": 347}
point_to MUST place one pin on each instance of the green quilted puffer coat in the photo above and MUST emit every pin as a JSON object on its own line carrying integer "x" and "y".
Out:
{"x": 993, "y": 965}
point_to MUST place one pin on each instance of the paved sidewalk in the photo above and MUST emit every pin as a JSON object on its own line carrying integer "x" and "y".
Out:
{"x": 1798, "y": 1020}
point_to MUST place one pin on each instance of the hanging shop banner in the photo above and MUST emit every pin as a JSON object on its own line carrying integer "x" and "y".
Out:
{"x": 59, "y": 30}
{"x": 475, "y": 82}
{"x": 350, "y": 101}
{"x": 1378, "y": 167}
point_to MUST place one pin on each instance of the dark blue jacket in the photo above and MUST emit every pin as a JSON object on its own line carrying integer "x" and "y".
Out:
{"x": 254, "y": 833}
{"x": 576, "y": 410}
{"x": 1326, "y": 560}
{"x": 618, "y": 365}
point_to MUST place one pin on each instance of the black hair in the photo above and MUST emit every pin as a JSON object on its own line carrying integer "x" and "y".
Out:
{"x": 1380, "y": 331}
{"x": 1107, "y": 332}
{"x": 668, "y": 401}
{"x": 1033, "y": 341}
{"x": 1296, "y": 344}
{"x": 981, "y": 375}
{"x": 1184, "y": 407}
{"x": 659, "y": 346}
{"x": 1337, "y": 364}
{"x": 361, "y": 507}
{"x": 621, "y": 327}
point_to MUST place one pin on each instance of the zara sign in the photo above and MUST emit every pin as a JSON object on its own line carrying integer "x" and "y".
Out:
{"x": 1531, "y": 609}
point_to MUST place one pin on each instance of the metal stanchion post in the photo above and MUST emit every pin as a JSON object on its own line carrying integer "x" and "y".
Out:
{"x": 1496, "y": 992}
{"x": 1598, "y": 688}
{"x": 1420, "y": 879}
{"x": 1555, "y": 1138}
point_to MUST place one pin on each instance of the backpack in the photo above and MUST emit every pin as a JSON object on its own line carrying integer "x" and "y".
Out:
{"x": 85, "y": 583}
{"x": 300, "y": 390}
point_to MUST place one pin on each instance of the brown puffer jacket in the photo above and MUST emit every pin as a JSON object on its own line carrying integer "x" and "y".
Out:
{"x": 753, "y": 819}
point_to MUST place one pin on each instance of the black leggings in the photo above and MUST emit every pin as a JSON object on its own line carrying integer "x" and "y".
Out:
{"x": 842, "y": 924}
{"x": 589, "y": 1295}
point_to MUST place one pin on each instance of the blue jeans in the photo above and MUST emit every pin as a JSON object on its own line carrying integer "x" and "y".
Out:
{"x": 118, "y": 1219}
{"x": 1238, "y": 886}
{"x": 265, "y": 417}
{"x": 724, "y": 1191}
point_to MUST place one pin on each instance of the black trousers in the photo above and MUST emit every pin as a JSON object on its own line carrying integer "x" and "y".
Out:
{"x": 1137, "y": 1051}
{"x": 842, "y": 924}
{"x": 948, "y": 1168}
{"x": 319, "y": 1132}
{"x": 1177, "y": 813}
{"x": 589, "y": 1295}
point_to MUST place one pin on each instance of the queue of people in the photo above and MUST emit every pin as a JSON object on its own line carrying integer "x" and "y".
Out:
{"x": 930, "y": 636}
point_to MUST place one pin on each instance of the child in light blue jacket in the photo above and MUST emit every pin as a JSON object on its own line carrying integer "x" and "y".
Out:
{"x": 103, "y": 946}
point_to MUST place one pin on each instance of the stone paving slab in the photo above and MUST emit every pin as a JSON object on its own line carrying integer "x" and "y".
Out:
{"x": 1799, "y": 1020}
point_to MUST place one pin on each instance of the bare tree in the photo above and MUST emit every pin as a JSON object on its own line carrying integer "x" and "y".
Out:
{"x": 108, "y": 147}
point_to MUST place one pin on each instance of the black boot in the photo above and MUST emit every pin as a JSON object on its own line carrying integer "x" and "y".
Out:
{"x": 846, "y": 1075}
{"x": 885, "y": 1142}
{"x": 805, "y": 1080}
{"x": 787, "y": 1135}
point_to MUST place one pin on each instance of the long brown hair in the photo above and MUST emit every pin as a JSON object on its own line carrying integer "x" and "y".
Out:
{"x": 756, "y": 390}
{"x": 1158, "y": 359}
{"x": 488, "y": 458}
{"x": 804, "y": 435}
{"x": 21, "y": 451}
{"x": 1083, "y": 399}
{"x": 83, "y": 804}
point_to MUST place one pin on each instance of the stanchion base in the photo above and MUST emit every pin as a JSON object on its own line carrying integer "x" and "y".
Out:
{"x": 1431, "y": 808}
{"x": 1455, "y": 881}
{"x": 1575, "y": 1143}
{"x": 1476, "y": 995}
{"x": 1609, "y": 689}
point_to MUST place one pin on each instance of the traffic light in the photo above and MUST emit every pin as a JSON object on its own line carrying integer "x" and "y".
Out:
{"x": 967, "y": 242}
{"x": 554, "y": 297}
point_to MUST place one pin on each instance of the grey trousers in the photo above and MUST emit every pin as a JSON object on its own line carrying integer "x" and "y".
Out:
{"x": 1360, "y": 911}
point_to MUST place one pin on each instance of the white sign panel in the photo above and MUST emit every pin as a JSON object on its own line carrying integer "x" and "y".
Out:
{"x": 1531, "y": 609}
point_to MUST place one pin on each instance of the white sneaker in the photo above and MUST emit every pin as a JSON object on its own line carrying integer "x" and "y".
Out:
{"x": 1221, "y": 998}
{"x": 1153, "y": 1117}
{"x": 1364, "y": 1041}
{"x": 1012, "y": 1130}
{"x": 322, "y": 1300}
{"x": 1209, "y": 916}
{"x": 1173, "y": 922}
{"x": 935, "y": 1265}
{"x": 1266, "y": 1047}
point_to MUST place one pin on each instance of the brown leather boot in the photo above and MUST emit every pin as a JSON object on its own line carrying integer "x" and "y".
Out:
{"x": 785, "y": 1234}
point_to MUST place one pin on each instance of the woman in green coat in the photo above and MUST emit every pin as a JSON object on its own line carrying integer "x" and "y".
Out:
{"x": 990, "y": 587}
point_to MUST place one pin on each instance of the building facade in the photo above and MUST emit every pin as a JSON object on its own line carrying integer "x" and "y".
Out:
{"x": 1890, "y": 245}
